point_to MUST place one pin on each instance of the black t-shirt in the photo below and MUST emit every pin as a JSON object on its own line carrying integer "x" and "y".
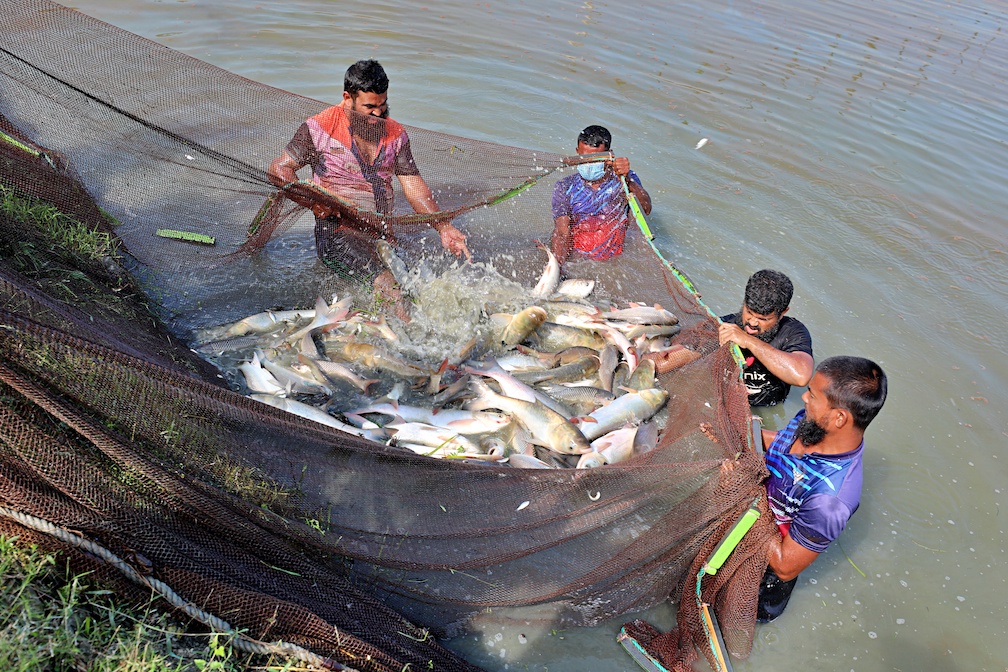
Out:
{"x": 766, "y": 389}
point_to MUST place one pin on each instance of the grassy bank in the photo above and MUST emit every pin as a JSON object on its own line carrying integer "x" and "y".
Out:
{"x": 52, "y": 620}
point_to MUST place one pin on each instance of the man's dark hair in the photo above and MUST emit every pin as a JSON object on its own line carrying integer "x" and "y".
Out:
{"x": 595, "y": 136}
{"x": 855, "y": 384}
{"x": 367, "y": 76}
{"x": 768, "y": 292}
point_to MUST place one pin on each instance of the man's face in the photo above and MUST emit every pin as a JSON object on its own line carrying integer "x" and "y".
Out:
{"x": 371, "y": 104}
{"x": 585, "y": 148}
{"x": 814, "y": 427}
{"x": 762, "y": 326}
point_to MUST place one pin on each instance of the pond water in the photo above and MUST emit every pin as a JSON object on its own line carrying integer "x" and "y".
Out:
{"x": 857, "y": 146}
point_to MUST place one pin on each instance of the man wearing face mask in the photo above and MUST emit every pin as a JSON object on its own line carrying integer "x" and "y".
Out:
{"x": 815, "y": 471}
{"x": 354, "y": 149}
{"x": 590, "y": 209}
{"x": 777, "y": 349}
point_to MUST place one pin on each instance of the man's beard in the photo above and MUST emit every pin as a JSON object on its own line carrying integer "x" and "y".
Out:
{"x": 765, "y": 336}
{"x": 809, "y": 432}
{"x": 369, "y": 127}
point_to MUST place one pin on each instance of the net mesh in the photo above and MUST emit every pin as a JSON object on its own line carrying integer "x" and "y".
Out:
{"x": 115, "y": 430}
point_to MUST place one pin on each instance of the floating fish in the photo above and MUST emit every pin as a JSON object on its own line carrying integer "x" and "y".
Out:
{"x": 325, "y": 316}
{"x": 373, "y": 357}
{"x": 643, "y": 376}
{"x": 548, "y": 428}
{"x": 310, "y": 412}
{"x": 326, "y": 370}
{"x": 642, "y": 315}
{"x": 672, "y": 358}
{"x": 459, "y": 420}
{"x": 420, "y": 433}
{"x": 616, "y": 446}
{"x": 290, "y": 379}
{"x": 576, "y": 370}
{"x": 553, "y": 337}
{"x": 591, "y": 460}
{"x": 260, "y": 380}
{"x": 229, "y": 344}
{"x": 575, "y": 288}
{"x": 267, "y": 321}
{"x": 527, "y": 462}
{"x": 522, "y": 325}
{"x": 628, "y": 408}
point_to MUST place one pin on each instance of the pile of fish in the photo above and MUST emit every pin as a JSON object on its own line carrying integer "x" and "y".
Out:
{"x": 565, "y": 381}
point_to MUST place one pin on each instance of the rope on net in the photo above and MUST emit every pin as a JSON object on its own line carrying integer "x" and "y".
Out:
{"x": 239, "y": 641}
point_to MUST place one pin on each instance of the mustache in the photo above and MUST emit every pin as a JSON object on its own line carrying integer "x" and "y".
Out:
{"x": 765, "y": 336}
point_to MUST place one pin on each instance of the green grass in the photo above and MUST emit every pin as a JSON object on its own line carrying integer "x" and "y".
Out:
{"x": 63, "y": 231}
{"x": 52, "y": 620}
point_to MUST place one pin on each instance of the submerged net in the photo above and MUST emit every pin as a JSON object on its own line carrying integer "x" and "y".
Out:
{"x": 138, "y": 458}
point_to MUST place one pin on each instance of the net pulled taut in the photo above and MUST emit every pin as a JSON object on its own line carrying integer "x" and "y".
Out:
{"x": 112, "y": 428}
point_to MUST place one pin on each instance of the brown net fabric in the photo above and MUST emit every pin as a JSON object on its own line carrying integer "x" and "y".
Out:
{"x": 113, "y": 430}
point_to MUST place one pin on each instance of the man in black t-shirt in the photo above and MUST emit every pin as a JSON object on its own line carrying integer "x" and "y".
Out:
{"x": 777, "y": 349}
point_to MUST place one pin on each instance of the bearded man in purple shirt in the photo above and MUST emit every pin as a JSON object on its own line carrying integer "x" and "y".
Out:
{"x": 815, "y": 471}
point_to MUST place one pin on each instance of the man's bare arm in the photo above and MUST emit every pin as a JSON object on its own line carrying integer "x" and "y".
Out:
{"x": 794, "y": 368}
{"x": 282, "y": 171}
{"x": 621, "y": 166}
{"x": 787, "y": 558}
{"x": 560, "y": 242}
{"x": 421, "y": 198}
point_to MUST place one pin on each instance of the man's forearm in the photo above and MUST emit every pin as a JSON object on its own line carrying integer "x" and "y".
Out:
{"x": 794, "y": 368}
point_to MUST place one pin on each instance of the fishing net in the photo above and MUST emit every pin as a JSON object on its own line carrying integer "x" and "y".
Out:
{"x": 142, "y": 460}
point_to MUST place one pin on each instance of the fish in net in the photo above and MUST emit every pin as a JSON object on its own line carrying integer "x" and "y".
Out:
{"x": 125, "y": 449}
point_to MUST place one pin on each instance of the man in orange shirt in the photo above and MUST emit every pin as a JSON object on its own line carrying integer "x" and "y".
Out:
{"x": 354, "y": 150}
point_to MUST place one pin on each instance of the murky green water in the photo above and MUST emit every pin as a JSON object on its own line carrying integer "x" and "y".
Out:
{"x": 858, "y": 146}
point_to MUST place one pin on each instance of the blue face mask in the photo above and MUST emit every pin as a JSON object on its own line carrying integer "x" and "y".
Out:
{"x": 592, "y": 171}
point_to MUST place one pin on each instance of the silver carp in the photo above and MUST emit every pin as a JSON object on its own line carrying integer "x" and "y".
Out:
{"x": 267, "y": 321}
{"x": 550, "y": 276}
{"x": 638, "y": 314}
{"x": 291, "y": 379}
{"x": 259, "y": 379}
{"x": 310, "y": 412}
{"x": 616, "y": 446}
{"x": 575, "y": 288}
{"x": 420, "y": 433}
{"x": 327, "y": 370}
{"x": 522, "y": 325}
{"x": 565, "y": 373}
{"x": 455, "y": 419}
{"x": 548, "y": 428}
{"x": 325, "y": 316}
{"x": 628, "y": 408}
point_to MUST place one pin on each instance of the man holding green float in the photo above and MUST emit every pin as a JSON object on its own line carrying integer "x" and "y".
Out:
{"x": 815, "y": 471}
{"x": 591, "y": 209}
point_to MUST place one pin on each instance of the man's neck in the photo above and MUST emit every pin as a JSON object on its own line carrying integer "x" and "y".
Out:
{"x": 831, "y": 445}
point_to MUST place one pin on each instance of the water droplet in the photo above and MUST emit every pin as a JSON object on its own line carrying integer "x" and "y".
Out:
{"x": 872, "y": 635}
